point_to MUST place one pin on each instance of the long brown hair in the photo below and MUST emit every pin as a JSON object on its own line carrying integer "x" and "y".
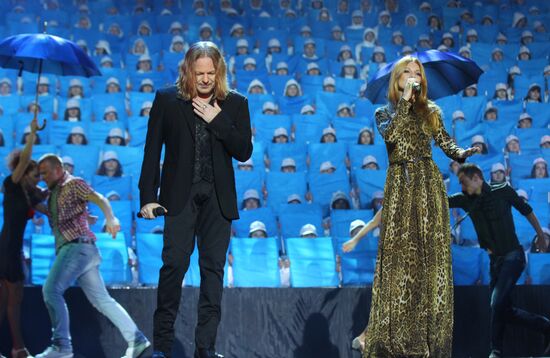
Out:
{"x": 187, "y": 83}
{"x": 425, "y": 108}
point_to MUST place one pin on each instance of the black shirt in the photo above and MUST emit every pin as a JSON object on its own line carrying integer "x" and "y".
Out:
{"x": 203, "y": 168}
{"x": 491, "y": 213}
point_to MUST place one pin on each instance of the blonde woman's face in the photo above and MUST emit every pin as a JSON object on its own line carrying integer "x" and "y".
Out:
{"x": 412, "y": 70}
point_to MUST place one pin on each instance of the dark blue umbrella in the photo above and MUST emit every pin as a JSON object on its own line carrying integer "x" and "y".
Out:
{"x": 447, "y": 73}
{"x": 46, "y": 53}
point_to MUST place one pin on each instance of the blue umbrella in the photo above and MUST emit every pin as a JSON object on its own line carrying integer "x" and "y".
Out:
{"x": 447, "y": 73}
{"x": 45, "y": 53}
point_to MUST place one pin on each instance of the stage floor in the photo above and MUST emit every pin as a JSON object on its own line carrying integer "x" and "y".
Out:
{"x": 265, "y": 322}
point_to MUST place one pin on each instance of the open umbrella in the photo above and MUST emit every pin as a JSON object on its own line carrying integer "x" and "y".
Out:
{"x": 45, "y": 53}
{"x": 447, "y": 73}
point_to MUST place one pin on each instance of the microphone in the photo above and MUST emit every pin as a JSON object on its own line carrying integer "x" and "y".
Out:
{"x": 417, "y": 87}
{"x": 158, "y": 211}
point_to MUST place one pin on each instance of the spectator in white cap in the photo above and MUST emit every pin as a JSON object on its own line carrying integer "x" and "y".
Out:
{"x": 5, "y": 86}
{"x": 327, "y": 168}
{"x": 539, "y": 169}
{"x": 305, "y": 32}
{"x": 102, "y": 48}
{"x": 329, "y": 135}
{"x": 491, "y": 113}
{"x": 519, "y": 20}
{"x": 83, "y": 46}
{"x": 525, "y": 121}
{"x": 512, "y": 144}
{"x": 406, "y": 50}
{"x": 339, "y": 201}
{"x": 498, "y": 173}
{"x": 470, "y": 91}
{"x": 465, "y": 52}
{"x": 329, "y": 84}
{"x": 526, "y": 37}
{"x": 501, "y": 92}
{"x": 115, "y": 137}
{"x": 397, "y": 38}
{"x": 257, "y": 230}
{"x": 139, "y": 47}
{"x": 206, "y": 32}
{"x": 336, "y": 34}
{"x": 497, "y": 54}
{"x": 76, "y": 89}
{"x": 349, "y": 69}
{"x": 512, "y": 73}
{"x": 501, "y": 39}
{"x": 144, "y": 64}
{"x": 147, "y": 86}
{"x": 270, "y": 108}
{"x": 534, "y": 94}
{"x": 110, "y": 165}
{"x": 458, "y": 116}
{"x": 344, "y": 110}
{"x": 308, "y": 231}
{"x": 43, "y": 86}
{"x": 292, "y": 88}
{"x": 178, "y": 45}
{"x": 434, "y": 23}
{"x": 545, "y": 141}
{"x": 242, "y": 47}
{"x": 384, "y": 19}
{"x": 281, "y": 68}
{"x": 357, "y": 230}
{"x": 110, "y": 114}
{"x": 369, "y": 41}
{"x": 246, "y": 166}
{"x": 448, "y": 40}
{"x": 280, "y": 136}
{"x": 112, "y": 85}
{"x": 378, "y": 55}
{"x": 77, "y": 136}
{"x": 175, "y": 29}
{"x": 539, "y": 27}
{"x": 370, "y": 163}
{"x": 144, "y": 29}
{"x": 249, "y": 64}
{"x": 68, "y": 164}
{"x": 479, "y": 142}
{"x": 251, "y": 200}
{"x": 274, "y": 46}
{"x": 424, "y": 42}
{"x": 72, "y": 111}
{"x": 344, "y": 53}
{"x": 145, "y": 109}
{"x": 106, "y": 62}
{"x": 377, "y": 200}
{"x": 310, "y": 50}
{"x": 324, "y": 15}
{"x": 524, "y": 53}
{"x": 256, "y": 87}
{"x": 471, "y": 36}
{"x": 288, "y": 165}
{"x": 27, "y": 135}
{"x": 312, "y": 69}
{"x": 366, "y": 136}
{"x": 307, "y": 110}
{"x": 237, "y": 30}
{"x": 294, "y": 199}
{"x": 113, "y": 195}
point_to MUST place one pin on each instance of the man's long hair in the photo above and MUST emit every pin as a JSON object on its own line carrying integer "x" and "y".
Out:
{"x": 426, "y": 109}
{"x": 187, "y": 82}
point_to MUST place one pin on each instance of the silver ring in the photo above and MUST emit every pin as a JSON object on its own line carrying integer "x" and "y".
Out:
{"x": 204, "y": 106}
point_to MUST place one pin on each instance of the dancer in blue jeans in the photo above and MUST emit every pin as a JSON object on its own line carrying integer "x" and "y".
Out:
{"x": 490, "y": 208}
{"x": 78, "y": 260}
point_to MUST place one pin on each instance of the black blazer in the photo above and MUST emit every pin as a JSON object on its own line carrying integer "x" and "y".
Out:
{"x": 172, "y": 123}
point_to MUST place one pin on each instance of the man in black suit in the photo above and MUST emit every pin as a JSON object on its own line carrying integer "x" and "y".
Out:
{"x": 203, "y": 125}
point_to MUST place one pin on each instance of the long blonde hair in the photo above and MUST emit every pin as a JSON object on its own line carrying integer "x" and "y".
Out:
{"x": 425, "y": 108}
{"x": 187, "y": 82}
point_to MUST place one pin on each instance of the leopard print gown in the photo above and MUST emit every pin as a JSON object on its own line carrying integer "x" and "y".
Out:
{"x": 412, "y": 294}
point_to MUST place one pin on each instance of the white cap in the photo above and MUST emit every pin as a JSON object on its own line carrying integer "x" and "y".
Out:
{"x": 269, "y": 106}
{"x": 111, "y": 193}
{"x": 514, "y": 70}
{"x": 307, "y": 108}
{"x": 357, "y": 13}
{"x": 329, "y": 130}
{"x": 497, "y": 49}
{"x": 257, "y": 226}
{"x": 349, "y": 62}
{"x": 281, "y": 65}
{"x": 109, "y": 155}
{"x": 256, "y": 83}
{"x": 205, "y": 25}
{"x": 337, "y": 195}
{"x": 458, "y": 114}
{"x": 342, "y": 106}
{"x": 526, "y": 33}
{"x": 111, "y": 80}
{"x": 5, "y": 80}
{"x": 274, "y": 43}
{"x": 242, "y": 43}
{"x": 546, "y": 69}
{"x": 326, "y": 166}
{"x": 510, "y": 138}
{"x": 116, "y": 132}
{"x": 177, "y": 39}
{"x": 175, "y": 25}
{"x": 522, "y": 193}
{"x": 501, "y": 36}
{"x": 524, "y": 49}
{"x": 281, "y": 131}
{"x": 447, "y": 35}
{"x": 369, "y": 159}
{"x": 501, "y": 86}
{"x": 312, "y": 65}
{"x": 236, "y": 26}
{"x": 544, "y": 139}
{"x": 251, "y": 194}
{"x": 146, "y": 104}
{"x": 471, "y": 32}
{"x": 465, "y": 49}
{"x": 497, "y": 167}
{"x": 379, "y": 194}
{"x": 110, "y": 109}
{"x": 288, "y": 162}
{"x": 44, "y": 81}
{"x": 67, "y": 160}
{"x": 355, "y": 224}
{"x": 77, "y": 130}
{"x": 146, "y": 82}
{"x": 293, "y": 197}
{"x": 249, "y": 61}
{"x": 75, "y": 82}
{"x": 329, "y": 81}
{"x": 525, "y": 115}
{"x": 144, "y": 57}
{"x": 478, "y": 139}
{"x": 27, "y": 130}
{"x": 73, "y": 103}
{"x": 105, "y": 59}
{"x": 248, "y": 162}
{"x": 539, "y": 160}
{"x": 308, "y": 229}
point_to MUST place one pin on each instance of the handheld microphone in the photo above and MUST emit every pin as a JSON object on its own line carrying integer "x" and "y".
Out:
{"x": 417, "y": 87}
{"x": 158, "y": 211}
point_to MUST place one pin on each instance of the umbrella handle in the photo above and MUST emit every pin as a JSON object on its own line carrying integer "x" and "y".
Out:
{"x": 42, "y": 126}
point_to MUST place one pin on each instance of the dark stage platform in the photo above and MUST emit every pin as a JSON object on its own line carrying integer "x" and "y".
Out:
{"x": 264, "y": 322}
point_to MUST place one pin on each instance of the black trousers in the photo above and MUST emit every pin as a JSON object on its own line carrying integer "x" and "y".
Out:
{"x": 505, "y": 271}
{"x": 200, "y": 218}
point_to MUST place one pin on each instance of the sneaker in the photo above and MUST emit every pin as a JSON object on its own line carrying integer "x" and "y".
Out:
{"x": 134, "y": 350}
{"x": 55, "y": 352}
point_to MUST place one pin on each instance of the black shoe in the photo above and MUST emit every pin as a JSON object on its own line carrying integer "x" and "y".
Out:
{"x": 157, "y": 354}
{"x": 207, "y": 353}
{"x": 546, "y": 344}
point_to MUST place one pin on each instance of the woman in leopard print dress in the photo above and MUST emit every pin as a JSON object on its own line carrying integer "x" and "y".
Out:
{"x": 412, "y": 295}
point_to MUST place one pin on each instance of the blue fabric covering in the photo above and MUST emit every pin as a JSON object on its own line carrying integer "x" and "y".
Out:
{"x": 281, "y": 185}
{"x": 137, "y": 128}
{"x": 85, "y": 158}
{"x": 348, "y": 128}
{"x": 129, "y": 157}
{"x": 357, "y": 152}
{"x": 321, "y": 152}
{"x": 323, "y": 186}
{"x": 241, "y": 227}
{"x": 312, "y": 262}
{"x": 149, "y": 250}
{"x": 369, "y": 181}
{"x": 278, "y": 152}
{"x": 341, "y": 219}
{"x": 255, "y": 262}
{"x": 538, "y": 266}
{"x": 292, "y": 221}
{"x": 114, "y": 265}
{"x": 122, "y": 185}
{"x": 266, "y": 124}
{"x": 466, "y": 265}
{"x": 309, "y": 128}
{"x": 245, "y": 180}
{"x": 42, "y": 257}
{"x": 358, "y": 268}
{"x": 537, "y": 189}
